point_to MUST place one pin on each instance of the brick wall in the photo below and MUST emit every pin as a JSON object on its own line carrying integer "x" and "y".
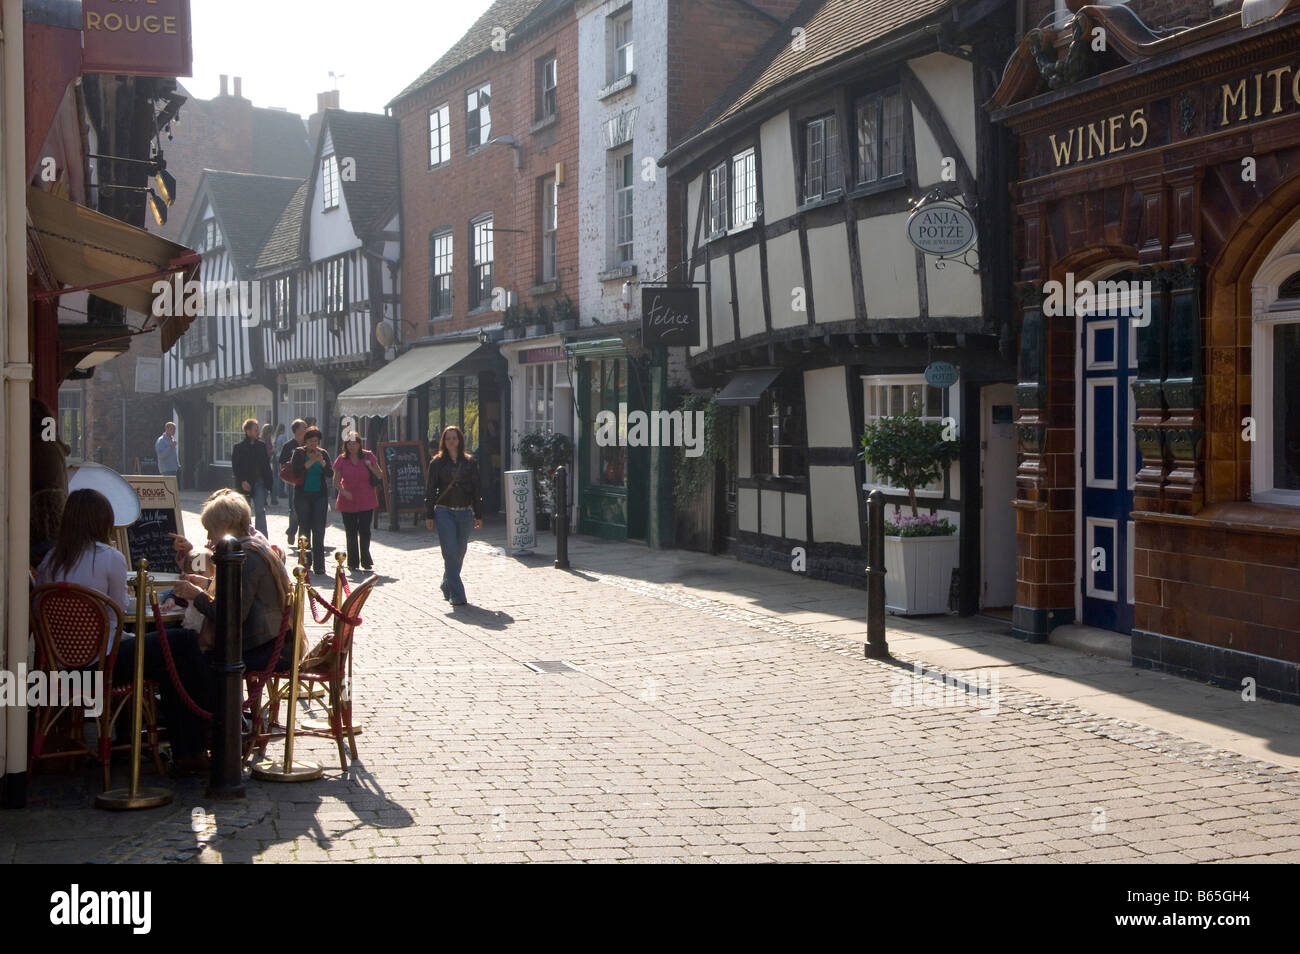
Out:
{"x": 487, "y": 181}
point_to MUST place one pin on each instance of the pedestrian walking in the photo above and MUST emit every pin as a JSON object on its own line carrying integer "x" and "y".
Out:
{"x": 452, "y": 500}
{"x": 277, "y": 450}
{"x": 268, "y": 439}
{"x": 356, "y": 471}
{"x": 164, "y": 449}
{"x": 251, "y": 468}
{"x": 312, "y": 464}
{"x": 291, "y": 444}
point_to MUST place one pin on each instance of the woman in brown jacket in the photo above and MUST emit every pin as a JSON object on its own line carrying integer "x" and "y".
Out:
{"x": 451, "y": 500}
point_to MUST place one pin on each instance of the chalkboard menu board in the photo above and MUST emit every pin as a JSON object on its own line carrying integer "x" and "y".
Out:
{"x": 160, "y": 514}
{"x": 404, "y": 469}
{"x": 147, "y": 538}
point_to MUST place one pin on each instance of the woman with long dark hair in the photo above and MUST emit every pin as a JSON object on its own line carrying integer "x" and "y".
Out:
{"x": 357, "y": 499}
{"x": 451, "y": 501}
{"x": 82, "y": 553}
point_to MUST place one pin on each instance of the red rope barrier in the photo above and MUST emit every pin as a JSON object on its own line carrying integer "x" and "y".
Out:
{"x": 185, "y": 697}
{"x": 330, "y": 609}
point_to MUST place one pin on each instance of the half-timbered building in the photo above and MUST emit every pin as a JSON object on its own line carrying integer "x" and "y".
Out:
{"x": 819, "y": 316}
{"x": 213, "y": 374}
{"x": 1158, "y": 487}
{"x": 328, "y": 277}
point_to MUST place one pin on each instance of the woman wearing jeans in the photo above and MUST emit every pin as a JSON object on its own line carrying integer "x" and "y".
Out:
{"x": 311, "y": 500}
{"x": 451, "y": 500}
{"x": 357, "y": 499}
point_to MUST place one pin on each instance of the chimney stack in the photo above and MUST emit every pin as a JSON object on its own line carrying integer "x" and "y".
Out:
{"x": 327, "y": 100}
{"x": 223, "y": 84}
{"x": 238, "y": 83}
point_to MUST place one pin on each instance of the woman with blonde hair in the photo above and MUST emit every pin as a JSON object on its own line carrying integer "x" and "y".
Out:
{"x": 451, "y": 499}
{"x": 265, "y": 584}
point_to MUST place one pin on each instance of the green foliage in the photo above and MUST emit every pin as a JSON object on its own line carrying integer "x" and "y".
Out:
{"x": 542, "y": 453}
{"x": 542, "y": 316}
{"x": 905, "y": 451}
{"x": 692, "y": 474}
{"x": 516, "y": 318}
{"x": 564, "y": 309}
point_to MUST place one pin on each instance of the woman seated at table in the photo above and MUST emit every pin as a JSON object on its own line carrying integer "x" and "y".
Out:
{"x": 185, "y": 550}
{"x": 265, "y": 585}
{"x": 82, "y": 556}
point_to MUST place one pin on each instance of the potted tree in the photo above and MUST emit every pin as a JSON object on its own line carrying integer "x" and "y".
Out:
{"x": 515, "y": 322}
{"x": 540, "y": 322}
{"x": 921, "y": 550}
{"x": 565, "y": 313}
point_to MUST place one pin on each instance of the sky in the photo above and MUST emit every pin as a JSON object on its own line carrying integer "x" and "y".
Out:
{"x": 286, "y": 49}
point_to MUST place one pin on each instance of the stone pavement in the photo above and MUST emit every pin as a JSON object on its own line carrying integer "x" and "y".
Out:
{"x": 719, "y": 712}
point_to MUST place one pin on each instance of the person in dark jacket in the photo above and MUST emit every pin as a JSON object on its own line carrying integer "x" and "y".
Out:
{"x": 312, "y": 464}
{"x": 298, "y": 427}
{"x": 451, "y": 500}
{"x": 252, "y": 471}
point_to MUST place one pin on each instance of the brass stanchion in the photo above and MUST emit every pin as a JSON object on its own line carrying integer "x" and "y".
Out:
{"x": 287, "y": 770}
{"x": 124, "y": 799}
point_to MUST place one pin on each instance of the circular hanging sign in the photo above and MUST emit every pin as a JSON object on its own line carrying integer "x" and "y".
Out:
{"x": 941, "y": 228}
{"x": 940, "y": 374}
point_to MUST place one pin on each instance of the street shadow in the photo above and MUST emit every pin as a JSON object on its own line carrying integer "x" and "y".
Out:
{"x": 481, "y": 617}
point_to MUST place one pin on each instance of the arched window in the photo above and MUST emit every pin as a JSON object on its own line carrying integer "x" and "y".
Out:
{"x": 1274, "y": 420}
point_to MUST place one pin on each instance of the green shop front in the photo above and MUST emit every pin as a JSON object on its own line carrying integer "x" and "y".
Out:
{"x": 611, "y": 479}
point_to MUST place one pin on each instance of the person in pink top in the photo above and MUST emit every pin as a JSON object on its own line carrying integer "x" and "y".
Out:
{"x": 357, "y": 499}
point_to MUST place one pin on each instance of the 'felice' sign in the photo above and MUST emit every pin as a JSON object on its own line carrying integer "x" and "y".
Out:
{"x": 670, "y": 316}
{"x": 136, "y": 37}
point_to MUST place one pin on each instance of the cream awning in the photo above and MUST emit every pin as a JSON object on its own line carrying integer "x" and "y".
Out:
{"x": 118, "y": 262}
{"x": 384, "y": 392}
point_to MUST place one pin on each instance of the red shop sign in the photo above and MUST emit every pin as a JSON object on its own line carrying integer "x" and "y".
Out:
{"x": 136, "y": 37}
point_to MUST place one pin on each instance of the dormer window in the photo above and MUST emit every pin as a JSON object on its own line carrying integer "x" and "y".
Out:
{"x": 329, "y": 183}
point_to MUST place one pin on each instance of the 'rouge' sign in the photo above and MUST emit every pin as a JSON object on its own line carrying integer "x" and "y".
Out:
{"x": 136, "y": 37}
{"x": 670, "y": 316}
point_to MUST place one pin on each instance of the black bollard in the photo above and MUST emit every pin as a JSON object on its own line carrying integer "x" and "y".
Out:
{"x": 227, "y": 776}
{"x": 876, "y": 647}
{"x": 561, "y": 518}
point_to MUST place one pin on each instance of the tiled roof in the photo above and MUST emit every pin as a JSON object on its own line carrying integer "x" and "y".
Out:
{"x": 247, "y": 206}
{"x": 838, "y": 28}
{"x": 283, "y": 246}
{"x": 371, "y": 140}
{"x": 280, "y": 146}
{"x": 506, "y": 14}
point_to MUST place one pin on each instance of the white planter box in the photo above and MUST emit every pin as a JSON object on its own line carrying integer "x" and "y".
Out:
{"x": 918, "y": 573}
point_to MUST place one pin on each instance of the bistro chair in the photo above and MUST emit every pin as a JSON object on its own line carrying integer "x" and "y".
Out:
{"x": 329, "y": 667}
{"x": 73, "y": 625}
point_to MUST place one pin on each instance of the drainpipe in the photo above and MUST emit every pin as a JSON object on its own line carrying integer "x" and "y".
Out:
{"x": 16, "y": 402}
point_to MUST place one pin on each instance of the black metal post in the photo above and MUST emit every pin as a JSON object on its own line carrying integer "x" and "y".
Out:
{"x": 561, "y": 518}
{"x": 876, "y": 647}
{"x": 227, "y": 776}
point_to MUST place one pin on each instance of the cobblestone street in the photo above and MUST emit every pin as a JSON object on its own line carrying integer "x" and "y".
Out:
{"x": 694, "y": 729}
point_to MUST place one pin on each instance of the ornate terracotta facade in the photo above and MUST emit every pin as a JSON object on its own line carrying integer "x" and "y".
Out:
{"x": 1172, "y": 160}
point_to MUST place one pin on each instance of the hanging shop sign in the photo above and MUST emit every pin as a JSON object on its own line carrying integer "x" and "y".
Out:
{"x": 136, "y": 39}
{"x": 941, "y": 228}
{"x": 670, "y": 315}
{"x": 940, "y": 374}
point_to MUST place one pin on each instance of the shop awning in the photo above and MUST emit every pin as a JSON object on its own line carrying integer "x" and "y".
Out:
{"x": 93, "y": 252}
{"x": 384, "y": 392}
{"x": 747, "y": 386}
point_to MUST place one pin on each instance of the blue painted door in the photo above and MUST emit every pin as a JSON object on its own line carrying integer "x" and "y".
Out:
{"x": 1110, "y": 463}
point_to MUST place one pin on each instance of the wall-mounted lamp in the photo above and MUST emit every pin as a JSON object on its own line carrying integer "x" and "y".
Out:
{"x": 484, "y": 336}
